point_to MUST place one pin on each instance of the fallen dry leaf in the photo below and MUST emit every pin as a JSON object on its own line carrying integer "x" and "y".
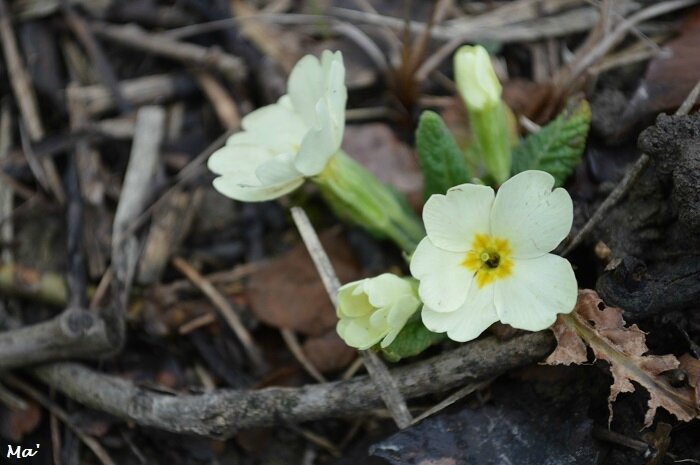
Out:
{"x": 375, "y": 147}
{"x": 328, "y": 353}
{"x": 691, "y": 366}
{"x": 603, "y": 329}
{"x": 287, "y": 292}
{"x": 670, "y": 75}
{"x": 528, "y": 98}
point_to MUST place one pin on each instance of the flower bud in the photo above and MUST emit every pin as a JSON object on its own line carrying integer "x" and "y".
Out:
{"x": 375, "y": 309}
{"x": 476, "y": 80}
{"x": 481, "y": 92}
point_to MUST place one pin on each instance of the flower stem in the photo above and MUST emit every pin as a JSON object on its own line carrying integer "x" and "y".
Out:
{"x": 490, "y": 131}
{"x": 356, "y": 196}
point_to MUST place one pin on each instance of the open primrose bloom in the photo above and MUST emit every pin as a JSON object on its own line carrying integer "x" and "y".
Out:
{"x": 486, "y": 257}
{"x": 285, "y": 142}
{"x": 375, "y": 309}
{"x": 299, "y": 137}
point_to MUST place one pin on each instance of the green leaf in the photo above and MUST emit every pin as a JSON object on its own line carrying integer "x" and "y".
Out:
{"x": 413, "y": 339}
{"x": 558, "y": 146}
{"x": 439, "y": 156}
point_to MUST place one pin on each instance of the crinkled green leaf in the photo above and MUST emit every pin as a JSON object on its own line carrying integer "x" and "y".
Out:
{"x": 439, "y": 156}
{"x": 413, "y": 339}
{"x": 557, "y": 147}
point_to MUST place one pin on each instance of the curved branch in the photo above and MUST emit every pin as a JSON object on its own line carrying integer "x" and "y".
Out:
{"x": 221, "y": 413}
{"x": 74, "y": 333}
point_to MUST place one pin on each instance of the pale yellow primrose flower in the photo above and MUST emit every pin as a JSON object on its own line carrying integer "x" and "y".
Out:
{"x": 285, "y": 142}
{"x": 476, "y": 80}
{"x": 486, "y": 258}
{"x": 375, "y": 309}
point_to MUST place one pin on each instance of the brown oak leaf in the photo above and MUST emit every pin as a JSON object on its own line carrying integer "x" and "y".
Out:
{"x": 603, "y": 329}
{"x": 691, "y": 366}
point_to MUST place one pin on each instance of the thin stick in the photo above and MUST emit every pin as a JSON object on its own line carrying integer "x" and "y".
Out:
{"x": 627, "y": 182}
{"x": 135, "y": 37}
{"x": 6, "y": 192}
{"x": 224, "y": 106}
{"x": 196, "y": 323}
{"x": 290, "y": 338}
{"x": 375, "y": 367}
{"x": 226, "y": 310}
{"x": 97, "y": 56}
{"x": 143, "y": 163}
{"x": 19, "y": 77}
{"x": 11, "y": 400}
{"x": 462, "y": 392}
{"x": 317, "y": 439}
{"x": 89, "y": 441}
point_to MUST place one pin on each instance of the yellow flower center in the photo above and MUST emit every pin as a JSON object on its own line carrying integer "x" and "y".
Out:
{"x": 489, "y": 259}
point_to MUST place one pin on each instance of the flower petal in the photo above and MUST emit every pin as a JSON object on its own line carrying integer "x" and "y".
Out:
{"x": 535, "y": 292}
{"x": 305, "y": 87}
{"x": 452, "y": 220}
{"x": 275, "y": 126}
{"x": 278, "y": 169}
{"x": 231, "y": 186}
{"x": 467, "y": 322}
{"x": 335, "y": 91}
{"x": 242, "y": 160}
{"x": 444, "y": 282}
{"x": 319, "y": 144}
{"x": 353, "y": 301}
{"x": 357, "y": 332}
{"x": 398, "y": 316}
{"x": 237, "y": 165}
{"x": 386, "y": 289}
{"x": 530, "y": 215}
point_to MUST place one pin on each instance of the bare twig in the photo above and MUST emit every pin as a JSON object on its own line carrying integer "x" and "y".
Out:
{"x": 290, "y": 338}
{"x": 226, "y": 310}
{"x": 143, "y": 161}
{"x": 106, "y": 72}
{"x": 75, "y": 333}
{"x": 19, "y": 77}
{"x": 452, "y": 398}
{"x": 223, "y": 412}
{"x": 10, "y": 399}
{"x": 196, "y": 323}
{"x": 97, "y": 98}
{"x": 6, "y": 193}
{"x": 44, "y": 169}
{"x": 171, "y": 224}
{"x": 375, "y": 367}
{"x": 195, "y": 55}
{"x": 75, "y": 277}
{"x": 226, "y": 109}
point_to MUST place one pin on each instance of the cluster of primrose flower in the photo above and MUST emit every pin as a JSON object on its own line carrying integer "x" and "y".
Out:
{"x": 478, "y": 257}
